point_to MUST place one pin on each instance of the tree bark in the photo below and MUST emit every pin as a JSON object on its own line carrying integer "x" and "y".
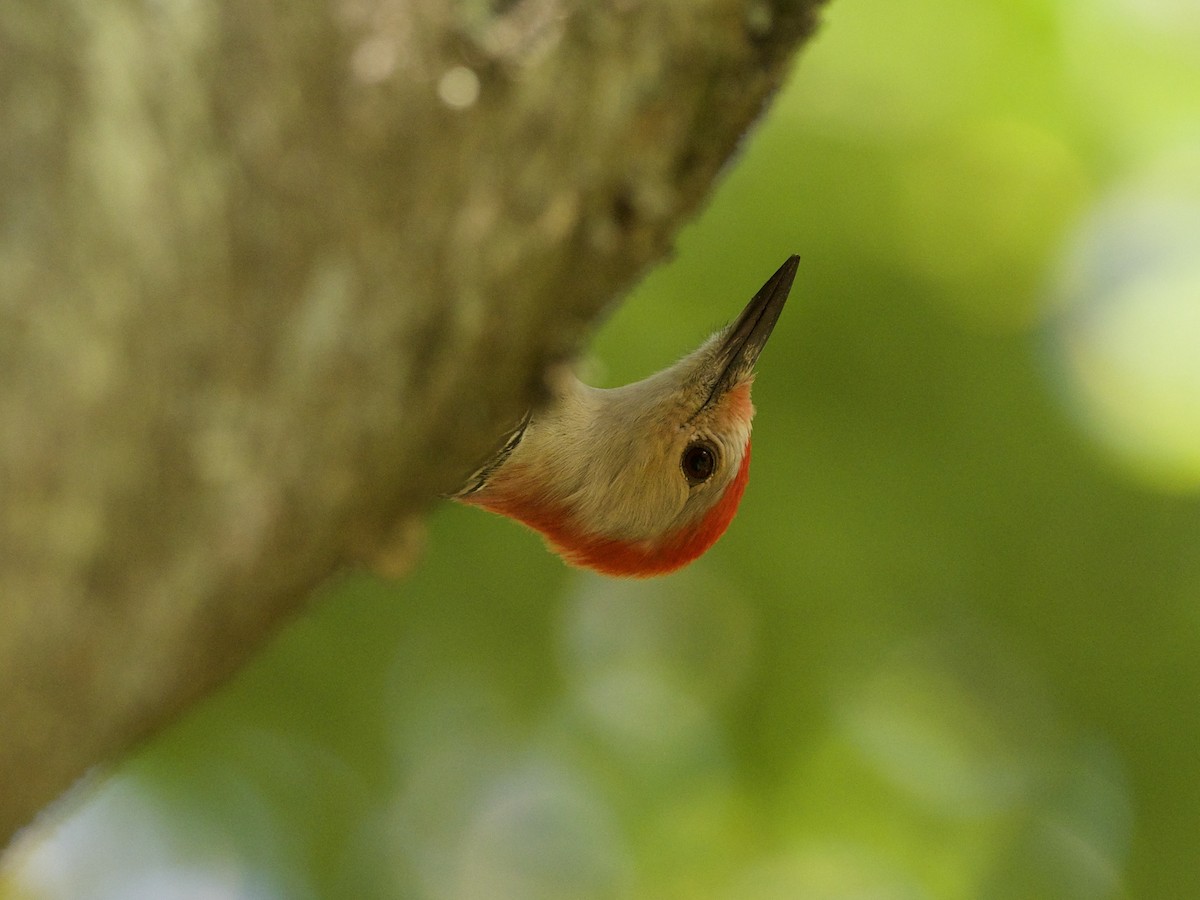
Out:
{"x": 273, "y": 276}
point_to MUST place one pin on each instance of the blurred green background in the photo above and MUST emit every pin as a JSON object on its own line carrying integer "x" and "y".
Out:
{"x": 950, "y": 648}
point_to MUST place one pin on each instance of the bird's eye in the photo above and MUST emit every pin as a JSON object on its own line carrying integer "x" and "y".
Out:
{"x": 698, "y": 462}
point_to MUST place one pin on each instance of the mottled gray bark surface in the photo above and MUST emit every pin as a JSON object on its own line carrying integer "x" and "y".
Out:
{"x": 272, "y": 276}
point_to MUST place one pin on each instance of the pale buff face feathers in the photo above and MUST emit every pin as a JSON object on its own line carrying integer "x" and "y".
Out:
{"x": 612, "y": 459}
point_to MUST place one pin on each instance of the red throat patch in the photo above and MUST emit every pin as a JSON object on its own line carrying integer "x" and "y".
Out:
{"x": 631, "y": 559}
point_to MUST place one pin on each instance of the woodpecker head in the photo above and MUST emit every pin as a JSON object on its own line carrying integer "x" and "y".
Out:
{"x": 639, "y": 480}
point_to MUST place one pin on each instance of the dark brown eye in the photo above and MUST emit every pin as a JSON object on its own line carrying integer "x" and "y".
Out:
{"x": 698, "y": 462}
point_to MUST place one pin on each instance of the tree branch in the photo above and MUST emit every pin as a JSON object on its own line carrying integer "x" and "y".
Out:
{"x": 272, "y": 276}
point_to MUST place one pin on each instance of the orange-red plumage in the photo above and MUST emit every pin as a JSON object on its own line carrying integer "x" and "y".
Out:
{"x": 611, "y": 556}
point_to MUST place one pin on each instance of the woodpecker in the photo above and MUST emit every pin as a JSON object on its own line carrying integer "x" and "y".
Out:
{"x": 639, "y": 480}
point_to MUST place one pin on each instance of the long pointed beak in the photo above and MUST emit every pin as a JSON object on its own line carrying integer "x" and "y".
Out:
{"x": 744, "y": 339}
